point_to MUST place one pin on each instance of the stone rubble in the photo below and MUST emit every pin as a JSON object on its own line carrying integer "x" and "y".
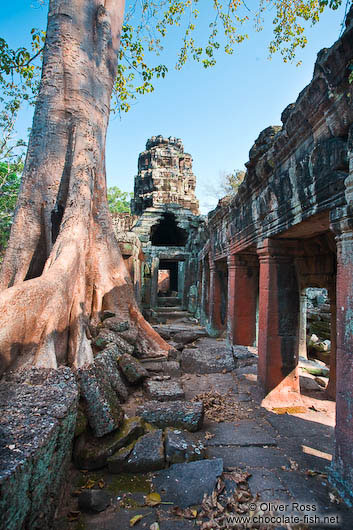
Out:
{"x": 188, "y": 416}
{"x": 132, "y": 369}
{"x": 163, "y": 390}
{"x": 91, "y": 452}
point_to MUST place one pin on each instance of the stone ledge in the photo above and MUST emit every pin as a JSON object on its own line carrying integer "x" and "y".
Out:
{"x": 37, "y": 427}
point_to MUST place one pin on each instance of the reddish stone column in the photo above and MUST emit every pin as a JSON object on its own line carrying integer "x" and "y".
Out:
{"x": 214, "y": 299}
{"x": 342, "y": 466}
{"x": 331, "y": 387}
{"x": 203, "y": 302}
{"x": 242, "y": 298}
{"x": 278, "y": 322}
{"x": 231, "y": 298}
{"x": 302, "y": 325}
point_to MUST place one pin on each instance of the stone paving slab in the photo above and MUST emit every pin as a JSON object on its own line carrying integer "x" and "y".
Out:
{"x": 120, "y": 519}
{"x": 300, "y": 428}
{"x": 176, "y": 524}
{"x": 267, "y": 485}
{"x": 300, "y": 453}
{"x": 210, "y": 356}
{"x": 245, "y": 457}
{"x": 246, "y": 433}
{"x": 186, "y": 484}
{"x": 194, "y": 384}
{"x": 314, "y": 490}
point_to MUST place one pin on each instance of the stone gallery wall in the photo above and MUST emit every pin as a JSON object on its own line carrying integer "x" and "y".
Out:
{"x": 289, "y": 228}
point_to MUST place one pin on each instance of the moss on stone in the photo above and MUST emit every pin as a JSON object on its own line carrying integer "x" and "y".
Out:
{"x": 130, "y": 483}
{"x": 81, "y": 422}
{"x": 149, "y": 427}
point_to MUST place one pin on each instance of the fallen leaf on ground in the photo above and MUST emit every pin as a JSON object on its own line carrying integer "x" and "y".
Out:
{"x": 135, "y": 520}
{"x": 219, "y": 407}
{"x": 190, "y": 514}
{"x": 209, "y": 435}
{"x": 153, "y": 499}
{"x": 289, "y": 410}
{"x": 89, "y": 484}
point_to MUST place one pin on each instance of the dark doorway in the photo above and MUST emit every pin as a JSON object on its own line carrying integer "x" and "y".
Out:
{"x": 172, "y": 267}
{"x": 167, "y": 233}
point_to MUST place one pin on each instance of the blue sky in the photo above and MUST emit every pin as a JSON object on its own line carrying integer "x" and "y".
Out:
{"x": 218, "y": 112}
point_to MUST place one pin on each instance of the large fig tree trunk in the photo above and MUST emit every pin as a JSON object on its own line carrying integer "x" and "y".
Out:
{"x": 63, "y": 265}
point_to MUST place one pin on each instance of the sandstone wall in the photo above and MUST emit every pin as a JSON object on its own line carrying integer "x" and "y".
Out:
{"x": 297, "y": 170}
{"x": 37, "y": 426}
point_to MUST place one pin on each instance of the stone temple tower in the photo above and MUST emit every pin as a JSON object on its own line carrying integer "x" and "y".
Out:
{"x": 164, "y": 176}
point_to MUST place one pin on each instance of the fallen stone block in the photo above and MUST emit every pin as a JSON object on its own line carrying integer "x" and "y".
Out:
{"x": 153, "y": 366}
{"x": 132, "y": 369}
{"x": 106, "y": 337}
{"x": 147, "y": 454}
{"x": 186, "y": 484}
{"x": 314, "y": 367}
{"x": 103, "y": 409}
{"x": 210, "y": 356}
{"x": 164, "y": 390}
{"x": 164, "y": 366}
{"x": 113, "y": 350}
{"x": 92, "y": 453}
{"x": 93, "y": 501}
{"x": 116, "y": 325}
{"x": 176, "y": 414}
{"x": 131, "y": 336}
{"x": 172, "y": 368}
{"x": 185, "y": 337}
{"x": 106, "y": 361}
{"x": 182, "y": 446}
{"x": 117, "y": 462}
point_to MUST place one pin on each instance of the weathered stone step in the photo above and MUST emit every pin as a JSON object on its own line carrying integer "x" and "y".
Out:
{"x": 175, "y": 314}
{"x": 164, "y": 310}
{"x": 168, "y": 301}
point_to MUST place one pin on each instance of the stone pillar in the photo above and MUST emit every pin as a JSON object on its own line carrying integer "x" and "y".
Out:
{"x": 242, "y": 299}
{"x": 342, "y": 466}
{"x": 331, "y": 387}
{"x": 302, "y": 325}
{"x": 137, "y": 279}
{"x": 154, "y": 281}
{"x": 231, "y": 298}
{"x": 181, "y": 282}
{"x": 203, "y": 293}
{"x": 214, "y": 300}
{"x": 278, "y": 323}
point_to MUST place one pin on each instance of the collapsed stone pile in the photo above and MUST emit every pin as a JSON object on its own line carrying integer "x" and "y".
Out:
{"x": 47, "y": 410}
{"x": 104, "y": 436}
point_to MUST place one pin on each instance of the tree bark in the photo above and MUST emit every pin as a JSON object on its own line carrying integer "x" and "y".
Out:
{"x": 63, "y": 265}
